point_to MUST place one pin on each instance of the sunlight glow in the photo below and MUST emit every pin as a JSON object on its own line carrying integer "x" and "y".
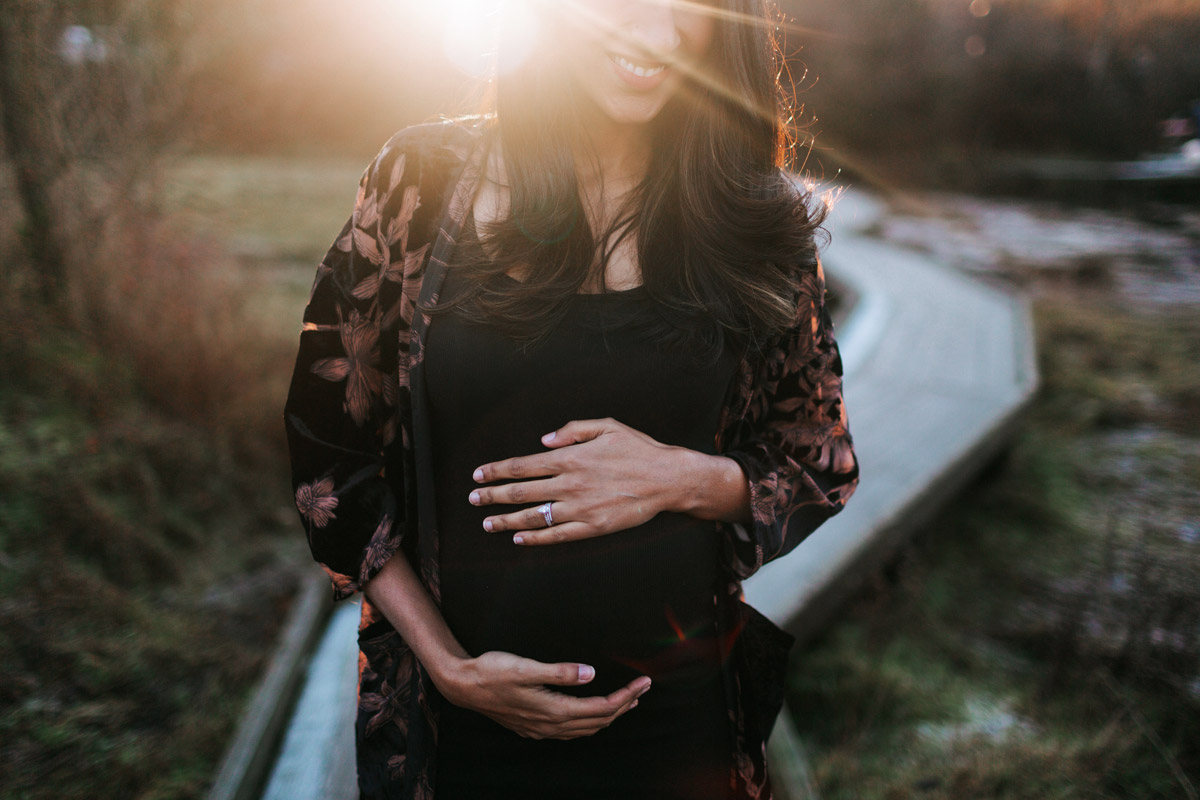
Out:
{"x": 470, "y": 32}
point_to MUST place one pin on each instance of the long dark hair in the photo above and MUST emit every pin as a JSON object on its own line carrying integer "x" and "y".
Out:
{"x": 721, "y": 230}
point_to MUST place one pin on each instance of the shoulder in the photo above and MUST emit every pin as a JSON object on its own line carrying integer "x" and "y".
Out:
{"x": 427, "y": 153}
{"x": 446, "y": 137}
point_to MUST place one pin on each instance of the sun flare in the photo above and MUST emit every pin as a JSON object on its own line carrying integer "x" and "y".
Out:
{"x": 473, "y": 32}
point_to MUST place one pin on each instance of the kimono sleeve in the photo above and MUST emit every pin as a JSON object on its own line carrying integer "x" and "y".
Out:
{"x": 339, "y": 415}
{"x": 794, "y": 444}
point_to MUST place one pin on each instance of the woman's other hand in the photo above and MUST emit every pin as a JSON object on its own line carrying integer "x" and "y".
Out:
{"x": 513, "y": 691}
{"x": 604, "y": 476}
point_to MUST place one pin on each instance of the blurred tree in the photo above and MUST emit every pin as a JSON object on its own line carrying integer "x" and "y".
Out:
{"x": 32, "y": 136}
{"x": 89, "y": 94}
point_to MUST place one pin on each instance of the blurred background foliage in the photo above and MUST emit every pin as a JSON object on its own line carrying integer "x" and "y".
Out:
{"x": 172, "y": 173}
{"x": 960, "y": 79}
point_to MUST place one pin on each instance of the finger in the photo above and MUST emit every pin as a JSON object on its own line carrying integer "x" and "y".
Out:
{"x": 535, "y": 466}
{"x": 605, "y": 720}
{"x": 579, "y": 731}
{"x": 631, "y": 691}
{"x": 599, "y": 706}
{"x": 513, "y": 493}
{"x": 555, "y": 534}
{"x": 562, "y": 716}
{"x": 555, "y": 711}
{"x": 562, "y": 673}
{"x": 579, "y": 430}
{"x": 526, "y": 519}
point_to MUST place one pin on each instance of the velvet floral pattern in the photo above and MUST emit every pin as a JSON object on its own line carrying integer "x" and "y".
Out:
{"x": 358, "y": 435}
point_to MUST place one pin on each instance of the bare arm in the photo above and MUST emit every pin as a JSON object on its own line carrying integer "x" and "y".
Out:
{"x": 398, "y": 593}
{"x": 506, "y": 687}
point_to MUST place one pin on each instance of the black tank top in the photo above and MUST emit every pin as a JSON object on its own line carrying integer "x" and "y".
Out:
{"x": 634, "y": 602}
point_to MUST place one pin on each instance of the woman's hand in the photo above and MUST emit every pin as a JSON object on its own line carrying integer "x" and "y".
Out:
{"x": 503, "y": 686}
{"x": 512, "y": 691}
{"x": 603, "y": 476}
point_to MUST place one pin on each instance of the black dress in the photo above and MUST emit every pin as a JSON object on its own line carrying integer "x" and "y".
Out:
{"x": 635, "y": 602}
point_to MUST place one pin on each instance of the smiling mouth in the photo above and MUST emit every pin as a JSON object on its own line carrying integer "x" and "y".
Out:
{"x": 642, "y": 69}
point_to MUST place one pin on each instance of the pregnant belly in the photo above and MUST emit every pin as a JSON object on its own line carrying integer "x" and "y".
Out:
{"x": 635, "y": 602}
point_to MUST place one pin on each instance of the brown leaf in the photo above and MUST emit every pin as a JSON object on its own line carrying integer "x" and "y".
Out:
{"x": 366, "y": 209}
{"x": 365, "y": 244}
{"x": 316, "y": 502}
{"x": 367, "y": 288}
{"x": 397, "y": 173}
{"x": 332, "y": 369}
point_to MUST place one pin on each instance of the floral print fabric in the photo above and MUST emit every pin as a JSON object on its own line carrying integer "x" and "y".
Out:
{"x": 357, "y": 433}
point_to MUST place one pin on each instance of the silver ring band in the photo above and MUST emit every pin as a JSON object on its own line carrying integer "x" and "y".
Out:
{"x": 546, "y": 515}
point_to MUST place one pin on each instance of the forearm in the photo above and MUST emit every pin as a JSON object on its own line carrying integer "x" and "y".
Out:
{"x": 710, "y": 487}
{"x": 399, "y": 594}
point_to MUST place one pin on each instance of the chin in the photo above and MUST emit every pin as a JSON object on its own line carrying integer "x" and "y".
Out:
{"x": 638, "y": 112}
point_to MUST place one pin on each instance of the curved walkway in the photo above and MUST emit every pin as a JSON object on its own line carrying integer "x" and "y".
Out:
{"x": 938, "y": 369}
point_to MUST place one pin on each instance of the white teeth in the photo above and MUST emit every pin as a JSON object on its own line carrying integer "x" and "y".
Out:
{"x": 641, "y": 72}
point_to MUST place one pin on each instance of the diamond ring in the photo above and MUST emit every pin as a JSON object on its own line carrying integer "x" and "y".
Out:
{"x": 544, "y": 509}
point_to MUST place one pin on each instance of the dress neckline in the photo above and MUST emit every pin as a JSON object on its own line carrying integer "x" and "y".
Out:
{"x": 470, "y": 238}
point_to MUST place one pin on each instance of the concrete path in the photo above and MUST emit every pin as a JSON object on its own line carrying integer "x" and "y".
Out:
{"x": 938, "y": 367}
{"x": 316, "y": 758}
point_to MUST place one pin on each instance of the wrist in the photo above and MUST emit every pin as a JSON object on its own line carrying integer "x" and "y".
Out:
{"x": 709, "y": 486}
{"x": 680, "y": 475}
{"x": 449, "y": 675}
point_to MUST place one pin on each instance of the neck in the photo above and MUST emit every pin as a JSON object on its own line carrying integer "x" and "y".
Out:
{"x": 610, "y": 161}
{"x": 611, "y": 157}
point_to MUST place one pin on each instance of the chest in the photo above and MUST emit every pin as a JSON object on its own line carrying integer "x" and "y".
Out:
{"x": 601, "y": 360}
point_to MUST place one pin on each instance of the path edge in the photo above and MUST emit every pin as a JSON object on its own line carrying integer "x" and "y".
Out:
{"x": 250, "y": 755}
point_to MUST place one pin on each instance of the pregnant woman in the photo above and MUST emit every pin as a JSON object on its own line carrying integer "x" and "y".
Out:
{"x": 565, "y": 379}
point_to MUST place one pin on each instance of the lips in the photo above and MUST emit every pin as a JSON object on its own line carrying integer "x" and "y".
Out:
{"x": 637, "y": 73}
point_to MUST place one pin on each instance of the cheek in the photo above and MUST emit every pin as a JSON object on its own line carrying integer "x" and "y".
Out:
{"x": 697, "y": 31}
{"x": 586, "y": 63}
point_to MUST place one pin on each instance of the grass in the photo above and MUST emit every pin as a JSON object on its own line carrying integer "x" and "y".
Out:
{"x": 1038, "y": 639}
{"x": 143, "y": 565}
{"x": 148, "y": 545}
{"x": 266, "y": 207}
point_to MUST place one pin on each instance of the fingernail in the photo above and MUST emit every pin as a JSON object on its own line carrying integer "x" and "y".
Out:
{"x": 487, "y": 524}
{"x": 477, "y": 474}
{"x": 518, "y": 539}
{"x": 549, "y": 437}
{"x": 586, "y": 673}
{"x": 633, "y": 704}
{"x": 644, "y": 689}
{"x": 475, "y": 498}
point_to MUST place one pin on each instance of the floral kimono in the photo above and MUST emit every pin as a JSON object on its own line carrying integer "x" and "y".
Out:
{"x": 358, "y": 430}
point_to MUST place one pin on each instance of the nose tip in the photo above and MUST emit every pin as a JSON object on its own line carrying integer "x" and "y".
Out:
{"x": 659, "y": 36}
{"x": 654, "y": 28}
